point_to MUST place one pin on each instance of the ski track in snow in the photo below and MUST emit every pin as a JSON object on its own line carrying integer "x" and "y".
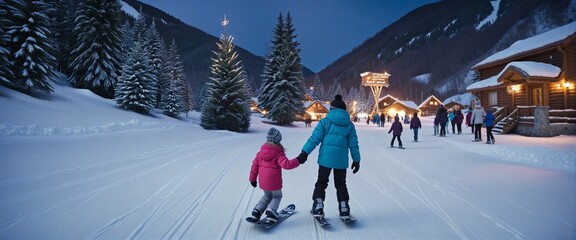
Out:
{"x": 423, "y": 194}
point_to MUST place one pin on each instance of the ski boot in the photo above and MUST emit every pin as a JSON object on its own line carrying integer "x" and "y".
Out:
{"x": 344, "y": 210}
{"x": 318, "y": 208}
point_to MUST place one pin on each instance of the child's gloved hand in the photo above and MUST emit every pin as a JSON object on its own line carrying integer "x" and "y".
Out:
{"x": 302, "y": 157}
{"x": 254, "y": 184}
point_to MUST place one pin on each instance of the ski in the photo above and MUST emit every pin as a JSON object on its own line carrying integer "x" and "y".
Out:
{"x": 282, "y": 215}
{"x": 321, "y": 220}
{"x": 348, "y": 220}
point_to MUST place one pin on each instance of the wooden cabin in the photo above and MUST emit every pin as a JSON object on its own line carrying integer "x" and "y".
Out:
{"x": 429, "y": 106}
{"x": 386, "y": 101}
{"x": 535, "y": 72}
{"x": 402, "y": 108}
{"x": 316, "y": 110}
{"x": 454, "y": 105}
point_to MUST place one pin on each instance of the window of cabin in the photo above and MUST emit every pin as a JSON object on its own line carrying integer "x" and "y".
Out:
{"x": 493, "y": 99}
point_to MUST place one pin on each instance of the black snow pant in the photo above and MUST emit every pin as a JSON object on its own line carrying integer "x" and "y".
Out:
{"x": 399, "y": 141}
{"x": 478, "y": 131}
{"x": 339, "y": 183}
{"x": 489, "y": 135}
{"x": 442, "y": 129}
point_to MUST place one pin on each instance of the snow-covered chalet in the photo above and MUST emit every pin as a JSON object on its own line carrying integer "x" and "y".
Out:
{"x": 531, "y": 84}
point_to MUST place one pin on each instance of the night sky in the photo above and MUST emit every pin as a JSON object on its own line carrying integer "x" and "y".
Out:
{"x": 327, "y": 29}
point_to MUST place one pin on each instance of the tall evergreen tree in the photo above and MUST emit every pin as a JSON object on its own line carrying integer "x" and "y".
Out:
{"x": 126, "y": 40}
{"x": 31, "y": 44}
{"x": 156, "y": 48}
{"x": 135, "y": 89}
{"x": 227, "y": 106}
{"x": 5, "y": 63}
{"x": 171, "y": 103}
{"x": 96, "y": 56}
{"x": 63, "y": 22}
{"x": 283, "y": 93}
{"x": 271, "y": 67}
{"x": 176, "y": 75}
{"x": 318, "y": 90}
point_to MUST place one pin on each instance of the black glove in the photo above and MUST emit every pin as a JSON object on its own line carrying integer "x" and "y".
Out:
{"x": 302, "y": 157}
{"x": 355, "y": 167}
{"x": 254, "y": 184}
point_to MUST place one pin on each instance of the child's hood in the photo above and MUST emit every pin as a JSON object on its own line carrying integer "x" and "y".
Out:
{"x": 269, "y": 151}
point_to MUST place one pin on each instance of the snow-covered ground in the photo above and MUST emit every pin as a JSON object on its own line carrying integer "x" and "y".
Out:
{"x": 74, "y": 166}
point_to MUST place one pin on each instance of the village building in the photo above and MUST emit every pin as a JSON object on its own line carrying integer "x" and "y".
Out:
{"x": 391, "y": 106}
{"x": 531, "y": 84}
{"x": 315, "y": 110}
{"x": 429, "y": 106}
{"x": 451, "y": 105}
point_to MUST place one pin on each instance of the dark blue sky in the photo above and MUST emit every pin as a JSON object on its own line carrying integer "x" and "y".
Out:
{"x": 327, "y": 29}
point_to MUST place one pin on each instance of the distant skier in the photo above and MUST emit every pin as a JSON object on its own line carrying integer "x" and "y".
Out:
{"x": 267, "y": 167}
{"x": 336, "y": 135}
{"x": 415, "y": 124}
{"x": 396, "y": 130}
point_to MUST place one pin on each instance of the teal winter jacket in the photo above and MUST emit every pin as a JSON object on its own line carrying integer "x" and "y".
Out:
{"x": 336, "y": 135}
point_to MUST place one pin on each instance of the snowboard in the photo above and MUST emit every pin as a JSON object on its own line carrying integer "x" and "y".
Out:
{"x": 282, "y": 215}
{"x": 321, "y": 220}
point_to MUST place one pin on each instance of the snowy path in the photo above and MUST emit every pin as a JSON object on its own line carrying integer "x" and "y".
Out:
{"x": 173, "y": 184}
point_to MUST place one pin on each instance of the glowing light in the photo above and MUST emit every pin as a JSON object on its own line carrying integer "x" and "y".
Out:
{"x": 225, "y": 22}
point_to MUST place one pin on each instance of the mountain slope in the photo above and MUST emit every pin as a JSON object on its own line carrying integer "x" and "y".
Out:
{"x": 443, "y": 40}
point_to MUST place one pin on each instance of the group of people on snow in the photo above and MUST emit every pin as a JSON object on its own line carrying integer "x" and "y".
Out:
{"x": 336, "y": 135}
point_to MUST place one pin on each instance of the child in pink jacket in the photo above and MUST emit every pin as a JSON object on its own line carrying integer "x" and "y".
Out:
{"x": 267, "y": 166}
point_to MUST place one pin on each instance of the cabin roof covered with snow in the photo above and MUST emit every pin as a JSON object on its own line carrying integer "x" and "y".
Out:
{"x": 531, "y": 44}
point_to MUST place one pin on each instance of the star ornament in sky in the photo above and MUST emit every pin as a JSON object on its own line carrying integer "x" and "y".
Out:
{"x": 225, "y": 22}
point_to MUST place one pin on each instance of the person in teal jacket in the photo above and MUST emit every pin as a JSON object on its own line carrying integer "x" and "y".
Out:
{"x": 336, "y": 135}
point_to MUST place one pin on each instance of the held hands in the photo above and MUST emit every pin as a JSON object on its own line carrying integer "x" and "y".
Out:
{"x": 355, "y": 167}
{"x": 254, "y": 184}
{"x": 302, "y": 157}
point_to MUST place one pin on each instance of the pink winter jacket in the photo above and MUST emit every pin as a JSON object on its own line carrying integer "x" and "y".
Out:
{"x": 268, "y": 164}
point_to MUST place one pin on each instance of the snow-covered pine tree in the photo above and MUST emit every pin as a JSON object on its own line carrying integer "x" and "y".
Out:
{"x": 156, "y": 48}
{"x": 5, "y": 63}
{"x": 63, "y": 22}
{"x": 31, "y": 44}
{"x": 140, "y": 28}
{"x": 126, "y": 40}
{"x": 227, "y": 106}
{"x": 318, "y": 91}
{"x": 271, "y": 66}
{"x": 176, "y": 74}
{"x": 171, "y": 106}
{"x": 285, "y": 91}
{"x": 135, "y": 89}
{"x": 97, "y": 51}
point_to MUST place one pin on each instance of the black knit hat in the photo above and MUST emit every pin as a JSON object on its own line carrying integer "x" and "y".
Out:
{"x": 338, "y": 103}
